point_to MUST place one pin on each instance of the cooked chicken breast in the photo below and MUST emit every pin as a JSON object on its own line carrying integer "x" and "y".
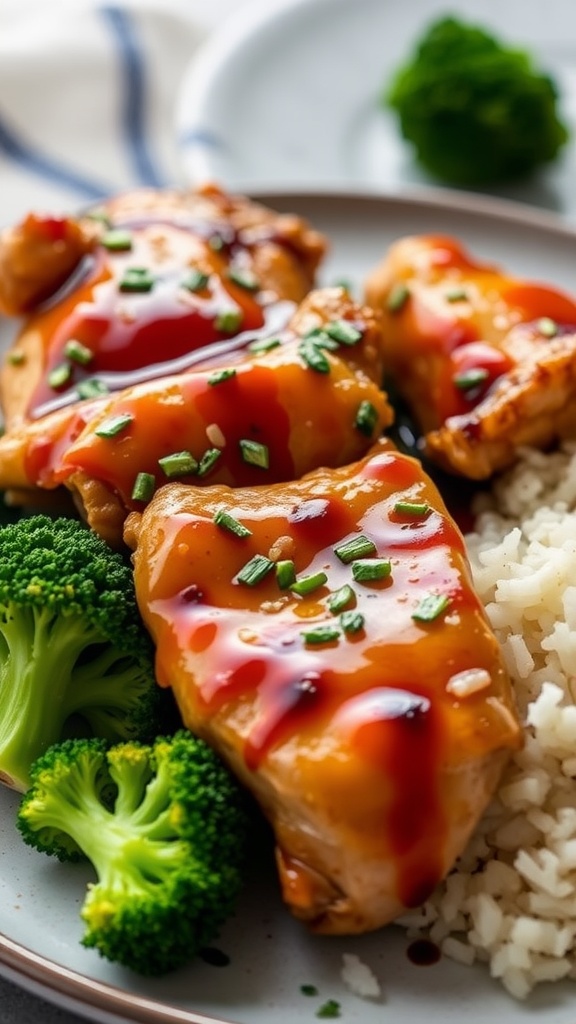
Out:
{"x": 485, "y": 361}
{"x": 366, "y": 704}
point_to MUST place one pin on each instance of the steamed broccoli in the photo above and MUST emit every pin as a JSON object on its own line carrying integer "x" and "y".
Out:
{"x": 164, "y": 827}
{"x": 75, "y": 659}
{"x": 475, "y": 111}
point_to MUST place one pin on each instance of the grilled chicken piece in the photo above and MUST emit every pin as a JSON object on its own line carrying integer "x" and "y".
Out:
{"x": 372, "y": 724}
{"x": 264, "y": 416}
{"x": 486, "y": 361}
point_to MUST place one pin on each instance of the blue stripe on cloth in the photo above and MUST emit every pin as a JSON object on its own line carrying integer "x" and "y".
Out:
{"x": 31, "y": 159}
{"x": 134, "y": 105}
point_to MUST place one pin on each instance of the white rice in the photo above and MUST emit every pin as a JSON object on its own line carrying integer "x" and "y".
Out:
{"x": 359, "y": 977}
{"x": 511, "y": 901}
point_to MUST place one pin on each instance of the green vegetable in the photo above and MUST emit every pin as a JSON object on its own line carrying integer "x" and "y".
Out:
{"x": 75, "y": 659}
{"x": 165, "y": 828}
{"x": 476, "y": 111}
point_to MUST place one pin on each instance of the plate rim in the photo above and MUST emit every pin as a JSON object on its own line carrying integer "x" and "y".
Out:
{"x": 67, "y": 988}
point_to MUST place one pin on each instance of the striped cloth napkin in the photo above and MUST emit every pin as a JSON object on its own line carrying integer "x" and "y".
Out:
{"x": 87, "y": 94}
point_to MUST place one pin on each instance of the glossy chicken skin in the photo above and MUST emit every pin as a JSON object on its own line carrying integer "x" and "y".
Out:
{"x": 152, "y": 283}
{"x": 486, "y": 361}
{"x": 372, "y": 739}
{"x": 259, "y": 417}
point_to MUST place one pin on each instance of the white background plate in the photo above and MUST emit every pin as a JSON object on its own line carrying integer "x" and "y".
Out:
{"x": 286, "y": 93}
{"x": 271, "y": 955}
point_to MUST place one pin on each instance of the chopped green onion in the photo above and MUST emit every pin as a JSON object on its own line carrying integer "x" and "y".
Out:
{"x": 308, "y": 584}
{"x": 16, "y": 358}
{"x": 397, "y": 298}
{"x": 255, "y": 570}
{"x": 309, "y": 990}
{"x": 220, "y": 376}
{"x": 196, "y": 280}
{"x": 178, "y": 464}
{"x": 78, "y": 353}
{"x": 366, "y": 418}
{"x": 456, "y": 295}
{"x": 329, "y": 1010}
{"x": 115, "y": 425}
{"x": 60, "y": 375}
{"x": 92, "y": 388}
{"x": 137, "y": 279}
{"x": 322, "y": 635}
{"x": 547, "y": 327}
{"x": 228, "y": 321}
{"x": 431, "y": 607}
{"x": 208, "y": 460}
{"x": 340, "y": 599}
{"x": 264, "y": 344}
{"x": 352, "y": 622}
{"x": 254, "y": 453}
{"x": 357, "y": 547}
{"x": 412, "y": 508}
{"x": 244, "y": 279}
{"x": 319, "y": 337}
{"x": 343, "y": 331}
{"x": 313, "y": 356}
{"x": 285, "y": 573}
{"x": 117, "y": 240}
{"x": 144, "y": 486}
{"x": 228, "y": 522}
{"x": 216, "y": 242}
{"x": 366, "y": 569}
{"x": 470, "y": 379}
{"x": 99, "y": 215}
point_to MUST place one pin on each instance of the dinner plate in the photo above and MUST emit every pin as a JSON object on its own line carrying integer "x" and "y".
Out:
{"x": 271, "y": 955}
{"x": 286, "y": 94}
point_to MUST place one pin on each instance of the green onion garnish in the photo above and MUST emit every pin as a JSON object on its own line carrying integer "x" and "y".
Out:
{"x": 313, "y": 356}
{"x": 352, "y": 622}
{"x": 255, "y": 570}
{"x": 208, "y": 460}
{"x": 322, "y": 635}
{"x": 412, "y": 508}
{"x": 254, "y": 453}
{"x": 137, "y": 279}
{"x": 309, "y": 990}
{"x": 397, "y": 298}
{"x": 216, "y": 242}
{"x": 178, "y": 464}
{"x": 228, "y": 522}
{"x": 115, "y": 425}
{"x": 340, "y": 599}
{"x": 344, "y": 332}
{"x": 220, "y": 376}
{"x": 60, "y": 375}
{"x": 92, "y": 388}
{"x": 244, "y": 279}
{"x": 329, "y": 1010}
{"x": 264, "y": 344}
{"x": 308, "y": 584}
{"x": 366, "y": 418}
{"x": 196, "y": 280}
{"x": 357, "y": 547}
{"x": 431, "y": 607}
{"x": 547, "y": 327}
{"x": 456, "y": 295}
{"x": 16, "y": 358}
{"x": 117, "y": 240}
{"x": 78, "y": 353}
{"x": 322, "y": 339}
{"x": 470, "y": 379}
{"x": 144, "y": 486}
{"x": 228, "y": 321}
{"x": 285, "y": 573}
{"x": 366, "y": 569}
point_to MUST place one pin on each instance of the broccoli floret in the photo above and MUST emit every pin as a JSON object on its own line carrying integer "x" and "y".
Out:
{"x": 165, "y": 829}
{"x": 475, "y": 111}
{"x": 75, "y": 658}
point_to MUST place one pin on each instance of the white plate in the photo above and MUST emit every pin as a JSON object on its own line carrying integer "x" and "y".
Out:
{"x": 286, "y": 94}
{"x": 271, "y": 955}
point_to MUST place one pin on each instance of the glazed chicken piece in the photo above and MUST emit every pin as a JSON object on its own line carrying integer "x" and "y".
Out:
{"x": 365, "y": 704}
{"x": 486, "y": 361}
{"x": 148, "y": 285}
{"x": 307, "y": 396}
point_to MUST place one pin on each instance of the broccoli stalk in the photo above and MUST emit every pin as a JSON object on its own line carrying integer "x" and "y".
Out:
{"x": 164, "y": 827}
{"x": 475, "y": 111}
{"x": 75, "y": 659}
